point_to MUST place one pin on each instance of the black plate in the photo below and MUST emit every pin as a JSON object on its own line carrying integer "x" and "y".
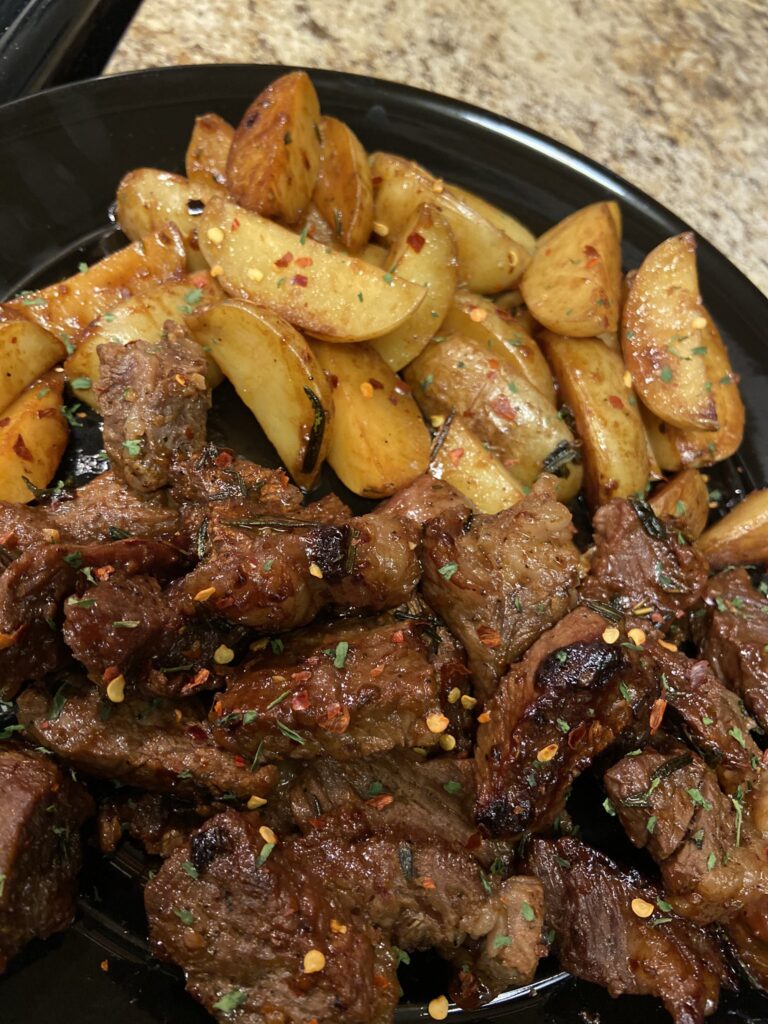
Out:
{"x": 63, "y": 154}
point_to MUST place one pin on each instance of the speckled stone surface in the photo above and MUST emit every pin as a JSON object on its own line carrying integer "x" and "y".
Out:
{"x": 672, "y": 94}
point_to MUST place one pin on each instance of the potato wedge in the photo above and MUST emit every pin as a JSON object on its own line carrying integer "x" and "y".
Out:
{"x": 141, "y": 316}
{"x": 477, "y": 317}
{"x": 69, "y": 306}
{"x": 379, "y": 442}
{"x": 27, "y": 351}
{"x": 741, "y": 536}
{"x": 275, "y": 154}
{"x": 504, "y": 222}
{"x": 685, "y": 498}
{"x": 329, "y": 294}
{"x": 426, "y": 255}
{"x": 481, "y": 384}
{"x": 147, "y": 199}
{"x": 275, "y": 373}
{"x": 463, "y": 462}
{"x": 208, "y": 149}
{"x": 489, "y": 260}
{"x": 573, "y": 283}
{"x": 663, "y": 337}
{"x": 33, "y": 436}
{"x": 343, "y": 191}
{"x": 608, "y": 422}
{"x": 377, "y": 255}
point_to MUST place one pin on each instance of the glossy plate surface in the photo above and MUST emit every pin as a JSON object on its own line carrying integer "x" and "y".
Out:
{"x": 63, "y": 153}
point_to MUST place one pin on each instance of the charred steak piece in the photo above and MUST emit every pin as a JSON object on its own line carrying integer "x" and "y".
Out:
{"x": 154, "y": 400}
{"x": 41, "y": 812}
{"x": 572, "y": 695}
{"x": 641, "y": 561}
{"x": 499, "y": 581}
{"x": 348, "y": 689}
{"x": 152, "y": 745}
{"x": 732, "y": 634}
{"x": 255, "y": 933}
{"x": 599, "y": 935}
{"x": 160, "y": 823}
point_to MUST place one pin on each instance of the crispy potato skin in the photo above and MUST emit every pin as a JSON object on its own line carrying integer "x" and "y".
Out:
{"x": 33, "y": 436}
{"x": 685, "y": 498}
{"x": 208, "y": 150}
{"x": 275, "y": 153}
{"x": 741, "y": 536}
{"x": 26, "y": 352}
{"x": 343, "y": 190}
{"x": 463, "y": 462}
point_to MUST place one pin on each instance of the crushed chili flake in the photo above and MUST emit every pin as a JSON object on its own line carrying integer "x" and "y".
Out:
{"x": 235, "y": 223}
{"x": 304, "y": 261}
{"x": 416, "y": 241}
{"x": 284, "y": 260}
{"x": 398, "y": 637}
{"x": 300, "y": 280}
{"x": 20, "y": 447}
{"x": 380, "y": 802}
{"x": 427, "y": 883}
{"x": 375, "y": 384}
{"x": 456, "y": 455}
{"x": 592, "y": 255}
{"x": 488, "y": 636}
{"x": 300, "y": 701}
{"x": 502, "y": 407}
{"x": 657, "y": 713}
{"x": 615, "y": 401}
{"x": 224, "y": 459}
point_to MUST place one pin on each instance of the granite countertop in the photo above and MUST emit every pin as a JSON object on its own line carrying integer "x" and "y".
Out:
{"x": 672, "y": 94}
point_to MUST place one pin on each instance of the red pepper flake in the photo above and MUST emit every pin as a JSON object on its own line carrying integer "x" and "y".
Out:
{"x": 224, "y": 459}
{"x": 239, "y": 761}
{"x": 5, "y": 421}
{"x": 377, "y": 180}
{"x": 592, "y": 255}
{"x": 301, "y": 677}
{"x": 284, "y": 260}
{"x": 502, "y": 407}
{"x": 576, "y": 735}
{"x": 474, "y": 841}
{"x": 44, "y": 414}
{"x": 380, "y": 802}
{"x": 376, "y": 671}
{"x": 427, "y": 883}
{"x": 197, "y": 733}
{"x": 300, "y": 280}
{"x": 456, "y": 455}
{"x": 19, "y": 446}
{"x": 110, "y": 673}
{"x": 398, "y": 637}
{"x": 615, "y": 401}
{"x": 103, "y": 572}
{"x": 335, "y": 720}
{"x": 333, "y": 380}
{"x": 300, "y": 701}
{"x": 416, "y": 241}
{"x": 493, "y": 363}
{"x": 235, "y": 224}
{"x": 657, "y": 713}
{"x": 488, "y": 636}
{"x": 375, "y": 384}
{"x": 201, "y": 677}
{"x": 304, "y": 261}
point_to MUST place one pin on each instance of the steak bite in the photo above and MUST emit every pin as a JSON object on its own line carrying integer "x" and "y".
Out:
{"x": 499, "y": 581}
{"x": 572, "y": 695}
{"x": 640, "y": 560}
{"x": 160, "y": 823}
{"x": 152, "y": 745}
{"x": 255, "y": 933}
{"x": 41, "y": 813}
{"x": 154, "y": 400}
{"x": 732, "y": 633}
{"x": 609, "y": 930}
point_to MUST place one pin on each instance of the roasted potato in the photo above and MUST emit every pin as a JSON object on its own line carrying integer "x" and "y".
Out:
{"x": 741, "y": 536}
{"x": 481, "y": 383}
{"x": 489, "y": 260}
{"x": 375, "y": 254}
{"x": 141, "y": 316}
{"x": 685, "y": 498}
{"x": 208, "y": 149}
{"x": 275, "y": 153}
{"x": 147, "y": 199}
{"x": 33, "y": 436}
{"x": 329, "y": 294}
{"x": 477, "y": 317}
{"x": 275, "y": 373}
{"x": 343, "y": 191}
{"x": 462, "y": 461}
{"x": 573, "y": 283}
{"x": 608, "y": 423}
{"x": 504, "y": 222}
{"x": 379, "y": 442}
{"x": 426, "y": 255}
{"x": 26, "y": 352}
{"x": 664, "y": 337}
{"x": 69, "y": 306}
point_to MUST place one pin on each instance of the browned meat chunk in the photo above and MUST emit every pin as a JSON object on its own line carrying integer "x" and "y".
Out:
{"x": 154, "y": 400}
{"x": 345, "y": 690}
{"x": 639, "y": 562}
{"x": 153, "y": 745}
{"x": 500, "y": 581}
{"x": 227, "y": 485}
{"x": 41, "y": 812}
{"x": 748, "y": 939}
{"x": 599, "y": 935}
{"x": 158, "y": 822}
{"x": 571, "y": 696}
{"x": 732, "y": 633}
{"x": 250, "y": 927}
{"x": 423, "y": 500}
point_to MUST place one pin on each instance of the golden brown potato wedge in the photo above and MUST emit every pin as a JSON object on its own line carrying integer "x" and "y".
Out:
{"x": 147, "y": 199}
{"x": 375, "y": 254}
{"x": 69, "y": 306}
{"x": 379, "y": 442}
{"x": 481, "y": 384}
{"x": 208, "y": 149}
{"x": 27, "y": 351}
{"x": 741, "y": 536}
{"x": 504, "y": 222}
{"x": 275, "y": 154}
{"x": 608, "y": 423}
{"x": 426, "y": 255}
{"x": 489, "y": 260}
{"x": 477, "y": 317}
{"x": 573, "y": 283}
{"x": 343, "y": 191}
{"x": 664, "y": 337}
{"x": 462, "y": 461}
{"x": 141, "y": 316}
{"x": 328, "y": 294}
{"x": 33, "y": 436}
{"x": 685, "y": 498}
{"x": 275, "y": 373}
